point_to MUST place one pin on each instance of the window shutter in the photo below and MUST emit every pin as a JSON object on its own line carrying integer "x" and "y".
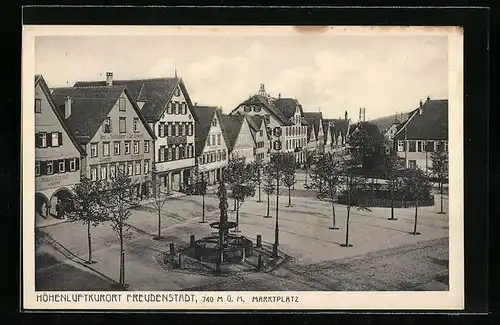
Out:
{"x": 38, "y": 140}
{"x": 60, "y": 138}
{"x": 66, "y": 164}
{"x": 49, "y": 139}
{"x": 77, "y": 164}
{"x": 43, "y": 168}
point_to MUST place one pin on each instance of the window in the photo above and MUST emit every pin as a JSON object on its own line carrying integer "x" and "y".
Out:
{"x": 169, "y": 108}
{"x": 130, "y": 169}
{"x": 136, "y": 147}
{"x": 176, "y": 153}
{"x": 169, "y": 130}
{"x": 61, "y": 166}
{"x": 55, "y": 139}
{"x": 104, "y": 172}
{"x": 93, "y": 173}
{"x": 121, "y": 168}
{"x": 430, "y": 146}
{"x": 191, "y": 129}
{"x": 136, "y": 124}
{"x": 419, "y": 146}
{"x": 112, "y": 171}
{"x": 72, "y": 164}
{"x": 106, "y": 125}
{"x": 424, "y": 146}
{"x": 214, "y": 122}
{"x": 127, "y": 147}
{"x": 247, "y": 108}
{"x": 38, "y": 170}
{"x": 121, "y": 104}
{"x": 190, "y": 151}
{"x": 176, "y": 108}
{"x": 218, "y": 139}
{"x": 445, "y": 145}
{"x": 177, "y": 91}
{"x": 93, "y": 150}
{"x": 116, "y": 145}
{"x": 146, "y": 146}
{"x": 146, "y": 166}
{"x": 123, "y": 125}
{"x": 181, "y": 129}
{"x": 256, "y": 108}
{"x": 224, "y": 156}
{"x": 42, "y": 140}
{"x": 213, "y": 140}
{"x": 169, "y": 154}
{"x": 208, "y": 140}
{"x": 138, "y": 167}
{"x": 437, "y": 145}
{"x": 401, "y": 145}
{"x": 412, "y": 164}
{"x": 38, "y": 105}
{"x": 160, "y": 154}
{"x": 218, "y": 155}
{"x": 105, "y": 149}
{"x": 261, "y": 133}
{"x": 182, "y": 152}
{"x": 183, "y": 108}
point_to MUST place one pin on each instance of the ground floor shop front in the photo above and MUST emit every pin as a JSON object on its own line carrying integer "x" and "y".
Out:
{"x": 174, "y": 180}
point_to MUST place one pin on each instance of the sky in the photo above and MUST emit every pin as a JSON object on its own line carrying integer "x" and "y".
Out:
{"x": 327, "y": 73}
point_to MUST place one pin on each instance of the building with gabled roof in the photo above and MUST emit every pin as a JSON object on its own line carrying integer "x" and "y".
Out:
{"x": 315, "y": 120}
{"x": 107, "y": 123}
{"x": 212, "y": 152}
{"x": 57, "y": 154}
{"x": 262, "y": 138}
{"x": 425, "y": 131}
{"x": 285, "y": 114}
{"x": 167, "y": 107}
{"x": 241, "y": 141}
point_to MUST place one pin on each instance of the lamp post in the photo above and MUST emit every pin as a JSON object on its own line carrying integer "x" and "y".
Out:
{"x": 203, "y": 189}
{"x": 277, "y": 147}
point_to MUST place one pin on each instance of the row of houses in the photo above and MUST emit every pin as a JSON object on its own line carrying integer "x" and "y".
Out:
{"x": 148, "y": 127}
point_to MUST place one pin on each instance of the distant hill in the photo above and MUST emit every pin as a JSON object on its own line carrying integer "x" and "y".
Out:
{"x": 385, "y": 121}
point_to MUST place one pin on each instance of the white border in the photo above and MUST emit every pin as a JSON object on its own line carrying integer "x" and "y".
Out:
{"x": 446, "y": 300}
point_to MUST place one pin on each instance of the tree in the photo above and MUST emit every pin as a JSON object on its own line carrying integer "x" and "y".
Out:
{"x": 159, "y": 198}
{"x": 240, "y": 178}
{"x": 308, "y": 162}
{"x": 393, "y": 172}
{"x": 368, "y": 144}
{"x": 325, "y": 178}
{"x": 440, "y": 170}
{"x": 417, "y": 186}
{"x": 121, "y": 198}
{"x": 354, "y": 185}
{"x": 87, "y": 206}
{"x": 199, "y": 186}
{"x": 257, "y": 166}
{"x": 268, "y": 173}
{"x": 288, "y": 166}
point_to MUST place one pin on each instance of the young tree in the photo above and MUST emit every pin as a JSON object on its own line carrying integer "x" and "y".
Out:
{"x": 199, "y": 187}
{"x": 257, "y": 166}
{"x": 86, "y": 206}
{"x": 159, "y": 198}
{"x": 268, "y": 173}
{"x": 325, "y": 178}
{"x": 393, "y": 172}
{"x": 288, "y": 166}
{"x": 240, "y": 178}
{"x": 354, "y": 185}
{"x": 308, "y": 162}
{"x": 439, "y": 169}
{"x": 417, "y": 186}
{"x": 121, "y": 198}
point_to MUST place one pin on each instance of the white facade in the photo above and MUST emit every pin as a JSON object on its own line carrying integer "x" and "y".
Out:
{"x": 245, "y": 145}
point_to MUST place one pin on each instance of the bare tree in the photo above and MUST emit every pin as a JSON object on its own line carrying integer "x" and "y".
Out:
{"x": 87, "y": 206}
{"x": 268, "y": 184}
{"x": 121, "y": 198}
{"x": 287, "y": 167}
{"x": 325, "y": 178}
{"x": 439, "y": 169}
{"x": 257, "y": 166}
{"x": 159, "y": 198}
{"x": 393, "y": 171}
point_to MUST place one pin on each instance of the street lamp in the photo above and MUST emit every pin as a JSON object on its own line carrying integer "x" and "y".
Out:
{"x": 277, "y": 147}
{"x": 203, "y": 189}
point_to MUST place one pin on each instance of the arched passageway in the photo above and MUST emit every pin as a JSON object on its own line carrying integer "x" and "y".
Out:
{"x": 41, "y": 205}
{"x": 56, "y": 209}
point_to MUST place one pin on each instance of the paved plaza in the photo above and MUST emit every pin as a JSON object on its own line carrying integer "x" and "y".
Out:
{"x": 384, "y": 255}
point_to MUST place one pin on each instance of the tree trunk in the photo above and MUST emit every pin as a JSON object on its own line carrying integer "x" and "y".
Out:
{"x": 289, "y": 198}
{"x": 305, "y": 181}
{"x": 441, "y": 195}
{"x": 268, "y": 205}
{"x": 89, "y": 237}
{"x": 392, "y": 202}
{"x": 159, "y": 222}
{"x": 259, "y": 193}
{"x": 415, "y": 222}
{"x": 234, "y": 205}
{"x": 237, "y": 216}
{"x": 334, "y": 225}
{"x": 203, "y": 208}
{"x": 347, "y": 226}
{"x": 122, "y": 266}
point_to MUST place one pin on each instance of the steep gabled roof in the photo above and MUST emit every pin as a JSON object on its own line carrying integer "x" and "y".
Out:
{"x": 432, "y": 124}
{"x": 39, "y": 80}
{"x": 232, "y": 127}
{"x": 206, "y": 115}
{"x": 268, "y": 103}
{"x": 255, "y": 122}
{"x": 90, "y": 106}
{"x": 287, "y": 106}
{"x": 155, "y": 92}
{"x": 314, "y": 118}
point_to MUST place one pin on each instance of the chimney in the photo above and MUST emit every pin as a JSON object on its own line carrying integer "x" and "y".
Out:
{"x": 109, "y": 79}
{"x": 420, "y": 109}
{"x": 279, "y": 95}
{"x": 67, "y": 107}
{"x": 428, "y": 98}
{"x": 195, "y": 103}
{"x": 345, "y": 115}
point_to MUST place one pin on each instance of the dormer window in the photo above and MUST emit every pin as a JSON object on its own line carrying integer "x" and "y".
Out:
{"x": 214, "y": 122}
{"x": 106, "y": 126}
